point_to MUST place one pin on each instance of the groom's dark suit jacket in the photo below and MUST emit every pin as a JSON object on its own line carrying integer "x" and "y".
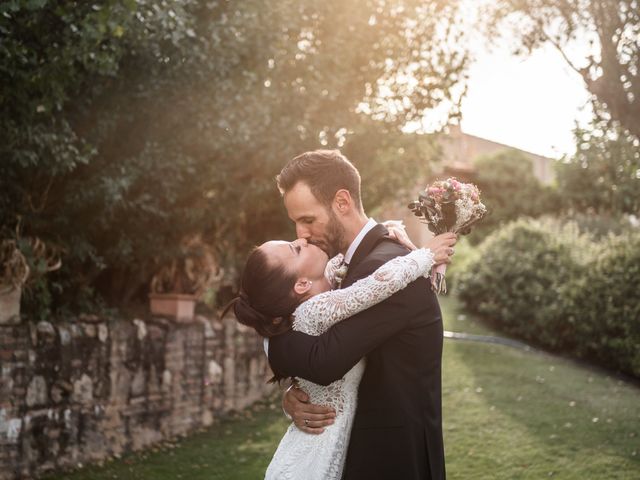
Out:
{"x": 397, "y": 430}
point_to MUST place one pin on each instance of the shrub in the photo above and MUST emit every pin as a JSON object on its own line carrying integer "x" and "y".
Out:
{"x": 518, "y": 275}
{"x": 465, "y": 253}
{"x": 545, "y": 282}
{"x": 604, "y": 305}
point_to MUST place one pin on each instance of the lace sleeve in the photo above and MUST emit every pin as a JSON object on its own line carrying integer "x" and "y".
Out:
{"x": 332, "y": 267}
{"x": 319, "y": 313}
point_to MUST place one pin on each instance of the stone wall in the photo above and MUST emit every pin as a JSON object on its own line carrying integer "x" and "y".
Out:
{"x": 87, "y": 389}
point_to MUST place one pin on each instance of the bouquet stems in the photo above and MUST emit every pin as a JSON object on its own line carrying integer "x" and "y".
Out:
{"x": 438, "y": 280}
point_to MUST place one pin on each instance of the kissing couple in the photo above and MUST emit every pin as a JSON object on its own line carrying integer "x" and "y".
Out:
{"x": 348, "y": 315}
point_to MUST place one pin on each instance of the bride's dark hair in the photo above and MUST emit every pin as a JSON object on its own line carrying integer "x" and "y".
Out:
{"x": 266, "y": 300}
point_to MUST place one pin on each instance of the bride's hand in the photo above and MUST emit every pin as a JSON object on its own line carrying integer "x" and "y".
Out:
{"x": 307, "y": 417}
{"x": 397, "y": 232}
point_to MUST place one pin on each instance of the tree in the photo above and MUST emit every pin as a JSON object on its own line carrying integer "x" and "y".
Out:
{"x": 509, "y": 189}
{"x": 612, "y": 28}
{"x": 603, "y": 176}
{"x": 128, "y": 125}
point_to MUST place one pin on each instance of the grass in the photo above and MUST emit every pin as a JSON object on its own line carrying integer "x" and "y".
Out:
{"x": 508, "y": 414}
{"x": 456, "y": 320}
{"x": 237, "y": 448}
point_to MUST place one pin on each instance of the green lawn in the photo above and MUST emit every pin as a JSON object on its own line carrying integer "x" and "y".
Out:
{"x": 455, "y": 320}
{"x": 238, "y": 448}
{"x": 508, "y": 414}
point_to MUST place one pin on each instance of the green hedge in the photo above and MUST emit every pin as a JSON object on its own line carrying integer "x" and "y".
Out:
{"x": 550, "y": 285}
{"x": 604, "y": 305}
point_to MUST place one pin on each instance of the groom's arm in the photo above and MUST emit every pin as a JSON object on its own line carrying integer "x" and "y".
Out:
{"x": 328, "y": 357}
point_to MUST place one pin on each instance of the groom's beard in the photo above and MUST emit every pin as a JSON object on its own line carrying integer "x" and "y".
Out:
{"x": 334, "y": 240}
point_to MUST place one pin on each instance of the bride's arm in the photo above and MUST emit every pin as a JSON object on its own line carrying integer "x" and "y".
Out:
{"x": 325, "y": 310}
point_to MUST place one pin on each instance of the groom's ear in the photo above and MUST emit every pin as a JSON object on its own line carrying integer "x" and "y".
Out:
{"x": 342, "y": 201}
{"x": 302, "y": 286}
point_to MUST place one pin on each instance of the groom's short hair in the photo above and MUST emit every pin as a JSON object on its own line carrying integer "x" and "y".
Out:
{"x": 325, "y": 172}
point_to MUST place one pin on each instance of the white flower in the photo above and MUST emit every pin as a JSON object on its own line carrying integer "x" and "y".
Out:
{"x": 340, "y": 274}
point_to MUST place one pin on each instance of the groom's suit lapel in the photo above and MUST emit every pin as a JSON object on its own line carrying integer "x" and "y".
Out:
{"x": 368, "y": 243}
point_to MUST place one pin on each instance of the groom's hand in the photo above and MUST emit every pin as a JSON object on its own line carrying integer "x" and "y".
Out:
{"x": 308, "y": 417}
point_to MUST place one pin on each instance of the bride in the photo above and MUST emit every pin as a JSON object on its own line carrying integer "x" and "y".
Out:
{"x": 288, "y": 285}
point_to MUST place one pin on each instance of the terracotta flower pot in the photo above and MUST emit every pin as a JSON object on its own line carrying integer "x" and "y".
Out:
{"x": 176, "y": 305}
{"x": 10, "y": 304}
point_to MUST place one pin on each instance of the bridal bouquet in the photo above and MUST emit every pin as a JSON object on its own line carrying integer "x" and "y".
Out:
{"x": 448, "y": 206}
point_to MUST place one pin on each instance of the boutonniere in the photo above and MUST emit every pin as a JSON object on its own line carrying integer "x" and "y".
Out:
{"x": 340, "y": 273}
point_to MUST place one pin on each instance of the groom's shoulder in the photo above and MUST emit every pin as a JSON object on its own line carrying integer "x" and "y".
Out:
{"x": 384, "y": 250}
{"x": 387, "y": 248}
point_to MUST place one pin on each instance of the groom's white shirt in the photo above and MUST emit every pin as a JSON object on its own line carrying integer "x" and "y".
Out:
{"x": 347, "y": 258}
{"x": 356, "y": 241}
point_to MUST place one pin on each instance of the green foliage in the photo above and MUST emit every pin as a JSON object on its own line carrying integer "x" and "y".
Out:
{"x": 548, "y": 284}
{"x": 465, "y": 254}
{"x": 604, "y": 175}
{"x": 603, "y": 304}
{"x": 389, "y": 161}
{"x": 48, "y": 51}
{"x": 509, "y": 189}
{"x": 598, "y": 226}
{"x": 127, "y": 126}
{"x": 517, "y": 277}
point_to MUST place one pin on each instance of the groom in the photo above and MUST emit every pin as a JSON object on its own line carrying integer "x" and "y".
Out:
{"x": 397, "y": 430}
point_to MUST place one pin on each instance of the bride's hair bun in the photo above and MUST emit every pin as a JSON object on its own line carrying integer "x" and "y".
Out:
{"x": 266, "y": 300}
{"x": 249, "y": 316}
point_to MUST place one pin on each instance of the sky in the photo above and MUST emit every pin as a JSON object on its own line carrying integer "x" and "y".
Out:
{"x": 529, "y": 103}
{"x": 533, "y": 102}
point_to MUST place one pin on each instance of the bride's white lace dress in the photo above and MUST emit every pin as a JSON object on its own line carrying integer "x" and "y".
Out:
{"x": 305, "y": 456}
